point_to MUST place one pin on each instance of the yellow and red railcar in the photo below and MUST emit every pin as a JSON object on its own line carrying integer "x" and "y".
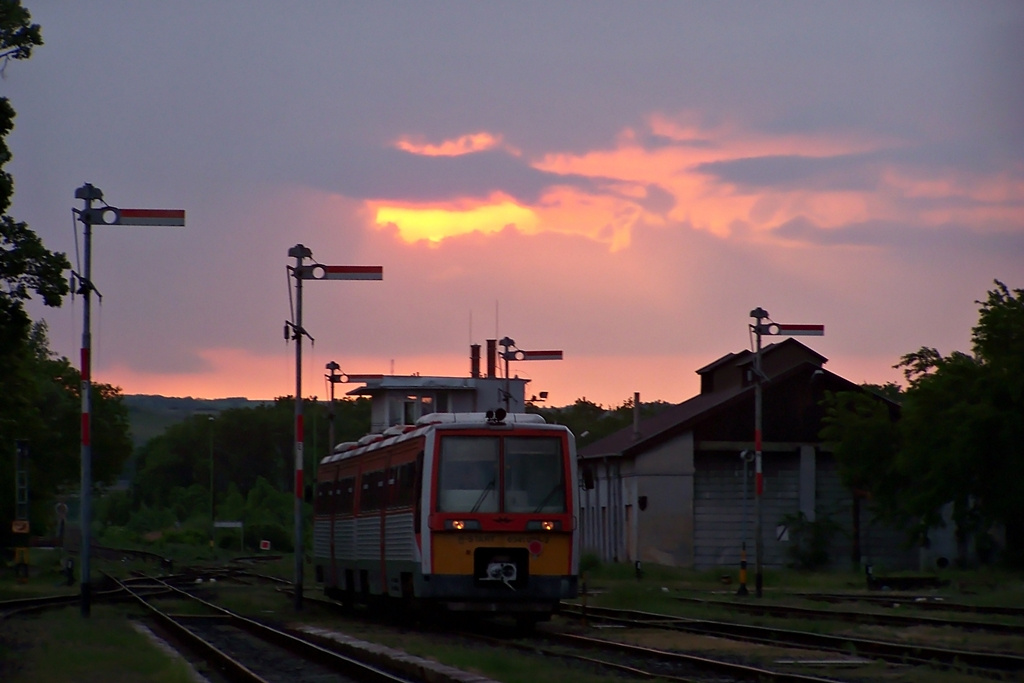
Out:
{"x": 468, "y": 512}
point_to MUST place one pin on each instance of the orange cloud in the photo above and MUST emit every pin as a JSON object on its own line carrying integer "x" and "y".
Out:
{"x": 434, "y": 222}
{"x": 623, "y": 173}
{"x": 700, "y": 199}
{"x": 465, "y": 144}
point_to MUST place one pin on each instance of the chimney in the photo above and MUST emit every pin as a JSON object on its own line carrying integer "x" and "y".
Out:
{"x": 492, "y": 358}
{"x": 474, "y": 360}
{"x": 636, "y": 416}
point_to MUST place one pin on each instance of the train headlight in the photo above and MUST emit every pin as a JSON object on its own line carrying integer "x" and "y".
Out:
{"x": 462, "y": 524}
{"x": 543, "y": 525}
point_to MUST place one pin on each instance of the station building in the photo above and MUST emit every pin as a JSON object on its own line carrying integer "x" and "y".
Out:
{"x": 676, "y": 489}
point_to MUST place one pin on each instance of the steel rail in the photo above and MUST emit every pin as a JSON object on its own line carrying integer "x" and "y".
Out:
{"x": 15, "y": 606}
{"x": 916, "y": 603}
{"x": 716, "y": 666}
{"x": 894, "y": 652}
{"x": 335, "y": 661}
{"x": 855, "y": 617}
{"x": 227, "y": 665}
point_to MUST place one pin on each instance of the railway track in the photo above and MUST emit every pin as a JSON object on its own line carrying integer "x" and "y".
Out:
{"x": 995, "y": 663}
{"x": 242, "y": 649}
{"x": 915, "y": 602}
{"x": 599, "y": 655}
{"x": 787, "y": 611}
{"x": 647, "y": 662}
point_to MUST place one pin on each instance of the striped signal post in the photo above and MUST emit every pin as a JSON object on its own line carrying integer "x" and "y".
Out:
{"x": 512, "y": 353}
{"x": 90, "y": 216}
{"x": 760, "y": 328}
{"x": 294, "y": 330}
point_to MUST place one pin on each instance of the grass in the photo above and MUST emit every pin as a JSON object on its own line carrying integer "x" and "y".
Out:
{"x": 59, "y": 645}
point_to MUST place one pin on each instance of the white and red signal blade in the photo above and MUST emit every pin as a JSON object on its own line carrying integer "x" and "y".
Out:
{"x": 796, "y": 330}
{"x": 170, "y": 217}
{"x": 359, "y": 379}
{"x": 319, "y": 272}
{"x": 111, "y": 215}
{"x": 539, "y": 355}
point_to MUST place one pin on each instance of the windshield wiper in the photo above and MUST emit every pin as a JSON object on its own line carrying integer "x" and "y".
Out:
{"x": 552, "y": 492}
{"x": 483, "y": 495}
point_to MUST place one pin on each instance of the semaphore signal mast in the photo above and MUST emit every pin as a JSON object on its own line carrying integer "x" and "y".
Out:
{"x": 763, "y": 325}
{"x": 293, "y": 329}
{"x": 512, "y": 353}
{"x": 89, "y": 216}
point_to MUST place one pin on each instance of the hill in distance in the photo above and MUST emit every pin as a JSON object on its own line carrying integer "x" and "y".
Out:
{"x": 149, "y": 416}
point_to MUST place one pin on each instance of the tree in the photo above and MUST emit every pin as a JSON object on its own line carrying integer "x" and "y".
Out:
{"x": 27, "y": 268}
{"x": 862, "y": 430}
{"x": 589, "y": 421}
{"x": 962, "y": 429}
{"x": 17, "y": 35}
{"x": 248, "y": 444}
{"x": 48, "y": 416}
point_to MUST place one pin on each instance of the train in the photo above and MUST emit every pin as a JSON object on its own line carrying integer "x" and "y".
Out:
{"x": 461, "y": 512}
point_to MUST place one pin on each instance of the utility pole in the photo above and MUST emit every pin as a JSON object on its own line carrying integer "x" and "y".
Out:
{"x": 760, "y": 328}
{"x": 106, "y": 215}
{"x": 294, "y": 330}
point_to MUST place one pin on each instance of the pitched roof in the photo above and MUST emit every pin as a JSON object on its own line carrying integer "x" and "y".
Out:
{"x": 623, "y": 440}
{"x": 744, "y": 357}
{"x": 686, "y": 414}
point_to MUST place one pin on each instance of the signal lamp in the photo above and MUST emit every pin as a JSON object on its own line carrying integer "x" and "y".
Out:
{"x": 543, "y": 525}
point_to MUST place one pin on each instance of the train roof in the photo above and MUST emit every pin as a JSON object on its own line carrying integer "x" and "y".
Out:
{"x": 424, "y": 424}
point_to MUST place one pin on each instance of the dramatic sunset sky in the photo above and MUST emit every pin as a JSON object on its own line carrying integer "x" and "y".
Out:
{"x": 623, "y": 181}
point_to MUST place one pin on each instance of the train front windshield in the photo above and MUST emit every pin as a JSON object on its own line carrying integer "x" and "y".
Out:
{"x": 501, "y": 473}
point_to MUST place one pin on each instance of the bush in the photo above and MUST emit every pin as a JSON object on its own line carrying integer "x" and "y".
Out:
{"x": 228, "y": 541}
{"x": 186, "y": 536}
{"x": 148, "y": 519}
{"x": 589, "y": 562}
{"x": 114, "y": 508}
{"x": 809, "y": 541}
{"x": 279, "y": 537}
{"x": 117, "y": 537}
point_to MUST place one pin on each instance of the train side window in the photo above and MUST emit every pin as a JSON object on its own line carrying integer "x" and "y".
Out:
{"x": 403, "y": 489}
{"x": 321, "y": 504}
{"x": 417, "y": 492}
{"x": 346, "y": 495}
{"x": 396, "y": 486}
{"x": 373, "y": 491}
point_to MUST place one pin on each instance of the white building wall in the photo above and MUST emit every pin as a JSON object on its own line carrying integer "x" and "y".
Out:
{"x": 604, "y": 530}
{"x": 664, "y": 476}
